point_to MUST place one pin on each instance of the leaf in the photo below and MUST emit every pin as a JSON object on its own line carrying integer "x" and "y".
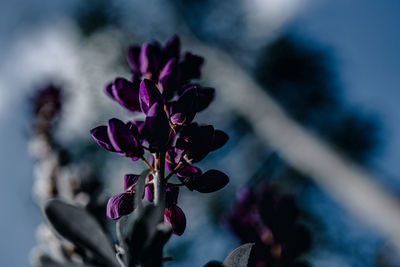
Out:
{"x": 139, "y": 188}
{"x": 120, "y": 229}
{"x": 240, "y": 256}
{"x": 122, "y": 247}
{"x": 152, "y": 254}
{"x": 140, "y": 228}
{"x": 75, "y": 224}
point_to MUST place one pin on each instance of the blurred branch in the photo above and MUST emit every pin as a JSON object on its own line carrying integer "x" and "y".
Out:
{"x": 349, "y": 184}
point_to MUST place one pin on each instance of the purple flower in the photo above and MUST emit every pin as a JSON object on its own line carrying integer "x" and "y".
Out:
{"x": 161, "y": 89}
{"x": 172, "y": 48}
{"x": 173, "y": 213}
{"x": 175, "y": 216}
{"x": 125, "y": 92}
{"x": 184, "y": 109}
{"x": 123, "y": 204}
{"x": 158, "y": 76}
{"x": 120, "y": 138}
{"x": 156, "y": 129}
{"x": 208, "y": 182}
{"x": 190, "y": 66}
{"x": 197, "y": 141}
{"x": 149, "y": 95}
{"x": 205, "y": 95}
{"x": 149, "y": 190}
{"x": 169, "y": 79}
{"x": 163, "y": 66}
{"x": 48, "y": 102}
{"x": 270, "y": 220}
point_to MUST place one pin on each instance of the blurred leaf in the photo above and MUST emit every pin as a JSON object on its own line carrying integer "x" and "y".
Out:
{"x": 240, "y": 256}
{"x": 145, "y": 235}
{"x": 153, "y": 252}
{"x": 75, "y": 224}
{"x": 140, "y": 228}
{"x": 122, "y": 247}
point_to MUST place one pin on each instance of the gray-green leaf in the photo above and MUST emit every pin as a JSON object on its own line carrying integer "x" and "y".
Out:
{"x": 240, "y": 256}
{"x": 75, "y": 224}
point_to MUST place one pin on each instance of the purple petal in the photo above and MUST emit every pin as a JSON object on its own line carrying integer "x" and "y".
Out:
{"x": 210, "y": 181}
{"x": 133, "y": 58}
{"x": 176, "y": 218}
{"x": 149, "y": 59}
{"x": 196, "y": 141}
{"x": 149, "y": 192}
{"x": 204, "y": 97}
{"x": 190, "y": 66}
{"x": 133, "y": 128}
{"x": 149, "y": 95}
{"x": 108, "y": 90}
{"x": 156, "y": 128}
{"x": 139, "y": 125}
{"x": 122, "y": 139}
{"x": 145, "y": 58}
{"x": 136, "y": 127}
{"x": 130, "y": 181}
{"x": 219, "y": 140}
{"x": 100, "y": 135}
{"x": 171, "y": 196}
{"x": 188, "y": 171}
{"x": 178, "y": 118}
{"x": 120, "y": 205}
{"x": 169, "y": 78}
{"x": 172, "y": 48}
{"x": 126, "y": 93}
{"x": 186, "y": 104}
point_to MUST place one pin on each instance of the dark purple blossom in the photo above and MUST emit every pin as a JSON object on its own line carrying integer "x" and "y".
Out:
{"x": 125, "y": 92}
{"x": 149, "y": 95}
{"x": 156, "y": 128}
{"x": 48, "y": 102}
{"x": 175, "y": 216}
{"x": 184, "y": 109}
{"x": 165, "y": 68}
{"x": 191, "y": 66}
{"x": 123, "y": 204}
{"x": 120, "y": 205}
{"x": 173, "y": 213}
{"x": 197, "y": 141}
{"x": 269, "y": 219}
{"x": 120, "y": 138}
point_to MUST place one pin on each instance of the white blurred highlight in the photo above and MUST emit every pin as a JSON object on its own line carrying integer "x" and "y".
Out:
{"x": 267, "y": 16}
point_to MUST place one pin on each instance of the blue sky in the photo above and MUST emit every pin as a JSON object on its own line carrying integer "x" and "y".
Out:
{"x": 364, "y": 36}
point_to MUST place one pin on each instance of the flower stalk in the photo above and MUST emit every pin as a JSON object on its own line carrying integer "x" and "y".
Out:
{"x": 161, "y": 89}
{"x": 159, "y": 184}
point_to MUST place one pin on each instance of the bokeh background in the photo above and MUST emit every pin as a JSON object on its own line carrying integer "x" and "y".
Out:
{"x": 333, "y": 66}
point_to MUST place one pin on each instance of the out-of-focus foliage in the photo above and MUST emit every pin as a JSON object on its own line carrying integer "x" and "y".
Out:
{"x": 302, "y": 78}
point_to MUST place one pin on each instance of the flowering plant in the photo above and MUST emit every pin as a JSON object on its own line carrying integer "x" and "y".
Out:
{"x": 167, "y": 138}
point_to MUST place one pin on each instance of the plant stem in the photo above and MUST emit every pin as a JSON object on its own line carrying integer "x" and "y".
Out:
{"x": 159, "y": 183}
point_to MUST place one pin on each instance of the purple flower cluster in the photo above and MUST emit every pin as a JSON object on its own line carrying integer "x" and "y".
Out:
{"x": 270, "y": 220}
{"x": 161, "y": 89}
